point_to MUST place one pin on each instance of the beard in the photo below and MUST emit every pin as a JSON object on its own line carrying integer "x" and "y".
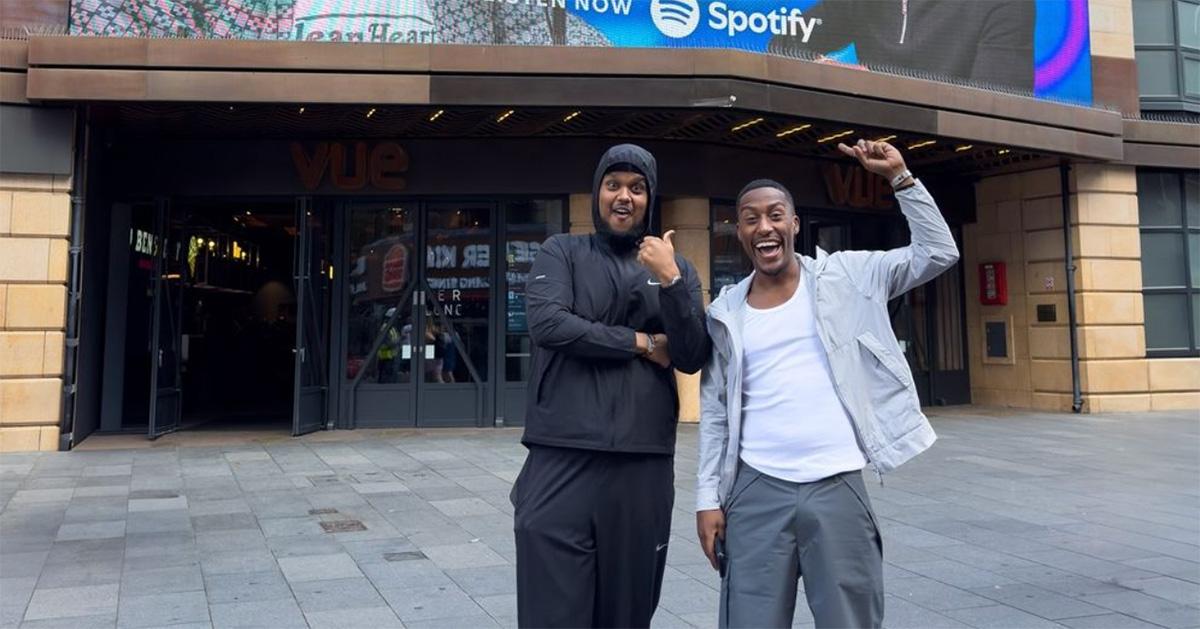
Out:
{"x": 622, "y": 242}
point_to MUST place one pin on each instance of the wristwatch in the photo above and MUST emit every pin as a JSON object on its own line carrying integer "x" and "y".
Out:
{"x": 649, "y": 343}
{"x": 674, "y": 281}
{"x": 899, "y": 179}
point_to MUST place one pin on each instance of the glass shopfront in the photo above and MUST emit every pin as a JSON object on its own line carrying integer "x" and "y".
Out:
{"x": 435, "y": 330}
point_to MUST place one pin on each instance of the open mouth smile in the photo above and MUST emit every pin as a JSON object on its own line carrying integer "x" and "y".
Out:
{"x": 768, "y": 248}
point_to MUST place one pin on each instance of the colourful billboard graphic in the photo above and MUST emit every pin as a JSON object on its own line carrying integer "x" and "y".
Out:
{"x": 1040, "y": 47}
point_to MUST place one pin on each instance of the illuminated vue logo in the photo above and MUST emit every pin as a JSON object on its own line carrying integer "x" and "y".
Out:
{"x": 675, "y": 18}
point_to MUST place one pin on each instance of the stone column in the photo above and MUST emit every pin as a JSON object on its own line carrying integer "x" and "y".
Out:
{"x": 34, "y": 224}
{"x": 581, "y": 214}
{"x": 689, "y": 217}
{"x": 1019, "y": 221}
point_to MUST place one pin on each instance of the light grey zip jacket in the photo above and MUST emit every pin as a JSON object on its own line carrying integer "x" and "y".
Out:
{"x": 850, "y": 292}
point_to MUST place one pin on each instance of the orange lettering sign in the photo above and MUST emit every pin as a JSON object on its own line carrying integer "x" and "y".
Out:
{"x": 853, "y": 186}
{"x": 351, "y": 165}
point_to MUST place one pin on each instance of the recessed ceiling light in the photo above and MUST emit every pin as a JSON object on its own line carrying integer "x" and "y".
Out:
{"x": 747, "y": 124}
{"x": 787, "y": 132}
{"x": 835, "y": 136}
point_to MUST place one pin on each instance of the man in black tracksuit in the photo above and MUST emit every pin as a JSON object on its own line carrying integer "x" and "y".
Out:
{"x": 610, "y": 314}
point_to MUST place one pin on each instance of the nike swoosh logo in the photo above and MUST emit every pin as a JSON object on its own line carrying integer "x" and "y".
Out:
{"x": 659, "y": 548}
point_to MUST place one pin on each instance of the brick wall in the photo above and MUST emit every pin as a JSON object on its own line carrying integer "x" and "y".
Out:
{"x": 34, "y": 225}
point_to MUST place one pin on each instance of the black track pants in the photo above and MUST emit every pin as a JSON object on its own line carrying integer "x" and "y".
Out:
{"x": 591, "y": 531}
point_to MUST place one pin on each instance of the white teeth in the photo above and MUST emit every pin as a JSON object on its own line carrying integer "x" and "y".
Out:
{"x": 766, "y": 245}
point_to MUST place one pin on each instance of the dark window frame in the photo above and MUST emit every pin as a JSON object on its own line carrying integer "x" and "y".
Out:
{"x": 1191, "y": 286}
{"x": 1181, "y": 101}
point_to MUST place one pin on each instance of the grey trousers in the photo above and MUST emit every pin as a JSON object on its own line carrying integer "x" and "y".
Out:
{"x": 825, "y": 531}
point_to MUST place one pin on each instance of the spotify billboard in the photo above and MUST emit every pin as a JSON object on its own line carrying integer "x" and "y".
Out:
{"x": 1035, "y": 46}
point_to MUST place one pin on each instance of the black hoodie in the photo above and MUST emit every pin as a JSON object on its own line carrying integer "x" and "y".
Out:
{"x": 585, "y": 297}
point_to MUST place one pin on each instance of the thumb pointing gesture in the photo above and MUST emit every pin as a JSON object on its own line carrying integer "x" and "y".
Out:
{"x": 658, "y": 256}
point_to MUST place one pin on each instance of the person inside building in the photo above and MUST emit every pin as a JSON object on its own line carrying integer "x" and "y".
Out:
{"x": 986, "y": 42}
{"x": 610, "y": 314}
{"x": 807, "y": 385}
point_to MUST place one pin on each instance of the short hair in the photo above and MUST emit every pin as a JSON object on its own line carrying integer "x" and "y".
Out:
{"x": 766, "y": 183}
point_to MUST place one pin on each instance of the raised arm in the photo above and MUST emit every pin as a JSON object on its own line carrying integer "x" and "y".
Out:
{"x": 932, "y": 249}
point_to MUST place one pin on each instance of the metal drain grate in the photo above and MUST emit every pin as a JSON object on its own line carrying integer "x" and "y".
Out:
{"x": 343, "y": 526}
{"x": 411, "y": 555}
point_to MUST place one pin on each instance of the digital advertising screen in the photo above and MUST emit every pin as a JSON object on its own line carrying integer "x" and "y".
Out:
{"x": 1039, "y": 47}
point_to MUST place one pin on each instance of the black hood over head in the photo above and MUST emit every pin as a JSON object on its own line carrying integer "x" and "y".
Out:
{"x": 643, "y": 163}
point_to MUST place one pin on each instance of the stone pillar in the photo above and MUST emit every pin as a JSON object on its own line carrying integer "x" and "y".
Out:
{"x": 1019, "y": 221}
{"x": 998, "y": 235}
{"x": 689, "y": 217}
{"x": 581, "y": 214}
{"x": 35, "y": 215}
{"x": 1112, "y": 341}
{"x": 1114, "y": 69}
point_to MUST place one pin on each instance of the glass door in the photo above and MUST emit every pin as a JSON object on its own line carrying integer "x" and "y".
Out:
{"x": 166, "y": 352}
{"x": 527, "y": 224}
{"x": 382, "y": 281}
{"x": 310, "y": 264}
{"x": 830, "y": 235}
{"x": 453, "y": 333}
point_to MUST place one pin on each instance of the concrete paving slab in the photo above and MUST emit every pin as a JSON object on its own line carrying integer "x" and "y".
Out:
{"x": 1011, "y": 520}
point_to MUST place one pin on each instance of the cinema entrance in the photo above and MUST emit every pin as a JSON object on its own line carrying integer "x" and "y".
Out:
{"x": 434, "y": 310}
{"x": 216, "y": 316}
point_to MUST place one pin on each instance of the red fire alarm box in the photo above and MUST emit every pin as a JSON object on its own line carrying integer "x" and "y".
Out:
{"x": 993, "y": 284}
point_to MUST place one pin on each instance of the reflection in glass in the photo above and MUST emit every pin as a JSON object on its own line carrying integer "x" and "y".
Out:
{"x": 729, "y": 264}
{"x": 1158, "y": 199}
{"x": 528, "y": 225}
{"x": 381, "y": 272}
{"x": 1162, "y": 260}
{"x": 457, "y": 270}
{"x": 1166, "y": 322}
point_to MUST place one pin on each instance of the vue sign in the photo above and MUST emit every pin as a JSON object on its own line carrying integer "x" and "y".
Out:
{"x": 351, "y": 165}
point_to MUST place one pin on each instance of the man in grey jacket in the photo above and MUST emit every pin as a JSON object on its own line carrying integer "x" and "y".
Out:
{"x": 805, "y": 386}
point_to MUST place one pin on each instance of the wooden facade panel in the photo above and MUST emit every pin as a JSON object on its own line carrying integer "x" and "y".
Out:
{"x": 1162, "y": 156}
{"x": 561, "y": 60}
{"x": 14, "y": 54}
{"x": 523, "y": 60}
{"x": 561, "y": 91}
{"x": 286, "y": 87}
{"x": 89, "y": 51}
{"x": 947, "y": 96}
{"x": 85, "y": 85}
{"x": 1010, "y": 133}
{"x": 1163, "y": 133}
{"x": 1114, "y": 83}
{"x": 13, "y": 88}
{"x": 743, "y": 65}
{"x": 349, "y": 57}
{"x": 810, "y": 104}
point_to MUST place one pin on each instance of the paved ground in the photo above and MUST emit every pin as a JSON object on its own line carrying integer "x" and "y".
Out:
{"x": 1009, "y": 521}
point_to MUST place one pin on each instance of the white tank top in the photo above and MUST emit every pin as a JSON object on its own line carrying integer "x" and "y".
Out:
{"x": 793, "y": 424}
